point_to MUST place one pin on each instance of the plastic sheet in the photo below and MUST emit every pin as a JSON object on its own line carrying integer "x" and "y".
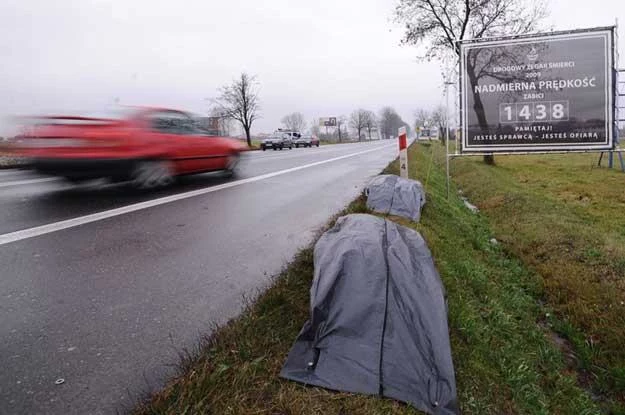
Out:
{"x": 378, "y": 319}
{"x": 396, "y": 196}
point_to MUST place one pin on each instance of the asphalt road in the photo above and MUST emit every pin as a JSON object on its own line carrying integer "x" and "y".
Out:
{"x": 102, "y": 287}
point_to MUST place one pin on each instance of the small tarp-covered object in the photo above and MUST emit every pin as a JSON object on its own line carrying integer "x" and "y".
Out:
{"x": 378, "y": 321}
{"x": 394, "y": 195}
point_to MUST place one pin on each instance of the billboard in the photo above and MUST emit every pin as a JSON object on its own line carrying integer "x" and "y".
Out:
{"x": 327, "y": 122}
{"x": 549, "y": 92}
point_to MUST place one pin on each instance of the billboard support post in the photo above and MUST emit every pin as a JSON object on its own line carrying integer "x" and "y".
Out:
{"x": 447, "y": 83}
{"x": 403, "y": 153}
{"x": 620, "y": 118}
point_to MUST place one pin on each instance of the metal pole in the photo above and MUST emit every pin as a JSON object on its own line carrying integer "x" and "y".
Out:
{"x": 447, "y": 134}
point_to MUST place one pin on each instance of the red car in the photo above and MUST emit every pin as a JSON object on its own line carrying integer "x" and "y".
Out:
{"x": 147, "y": 146}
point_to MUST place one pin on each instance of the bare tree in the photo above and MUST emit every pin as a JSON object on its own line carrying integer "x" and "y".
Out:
{"x": 239, "y": 101}
{"x": 440, "y": 23}
{"x": 439, "y": 118}
{"x": 294, "y": 121}
{"x": 422, "y": 118}
{"x": 341, "y": 121}
{"x": 358, "y": 121}
{"x": 314, "y": 127}
{"x": 371, "y": 123}
{"x": 224, "y": 124}
{"x": 389, "y": 122}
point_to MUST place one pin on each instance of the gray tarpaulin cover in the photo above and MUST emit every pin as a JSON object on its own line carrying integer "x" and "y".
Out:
{"x": 392, "y": 194}
{"x": 378, "y": 321}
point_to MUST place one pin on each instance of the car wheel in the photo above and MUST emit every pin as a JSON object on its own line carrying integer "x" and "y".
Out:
{"x": 317, "y": 144}
{"x": 263, "y": 148}
{"x": 290, "y": 147}
{"x": 150, "y": 174}
{"x": 232, "y": 167}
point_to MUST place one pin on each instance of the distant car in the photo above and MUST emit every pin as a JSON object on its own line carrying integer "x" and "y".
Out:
{"x": 303, "y": 141}
{"x": 293, "y": 134}
{"x": 306, "y": 141}
{"x": 147, "y": 146}
{"x": 277, "y": 142}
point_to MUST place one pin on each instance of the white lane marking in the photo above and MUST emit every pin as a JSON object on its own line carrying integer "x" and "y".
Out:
{"x": 30, "y": 181}
{"x": 252, "y": 155}
{"x": 287, "y": 156}
{"x": 94, "y": 217}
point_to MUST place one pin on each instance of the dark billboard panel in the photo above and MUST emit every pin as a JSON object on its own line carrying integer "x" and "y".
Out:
{"x": 550, "y": 92}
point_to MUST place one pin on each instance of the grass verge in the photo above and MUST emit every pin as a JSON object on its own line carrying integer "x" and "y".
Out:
{"x": 563, "y": 217}
{"x": 505, "y": 358}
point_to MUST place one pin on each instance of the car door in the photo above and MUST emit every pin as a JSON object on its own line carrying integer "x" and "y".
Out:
{"x": 189, "y": 148}
{"x": 166, "y": 137}
{"x": 198, "y": 151}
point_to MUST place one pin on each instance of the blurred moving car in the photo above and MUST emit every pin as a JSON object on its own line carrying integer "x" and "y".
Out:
{"x": 147, "y": 146}
{"x": 277, "y": 142}
{"x": 306, "y": 141}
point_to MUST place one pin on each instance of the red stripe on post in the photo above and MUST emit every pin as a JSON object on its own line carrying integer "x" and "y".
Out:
{"x": 402, "y": 142}
{"x": 402, "y": 138}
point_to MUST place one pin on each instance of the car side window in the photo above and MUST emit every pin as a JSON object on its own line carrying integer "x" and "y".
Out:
{"x": 171, "y": 122}
{"x": 160, "y": 122}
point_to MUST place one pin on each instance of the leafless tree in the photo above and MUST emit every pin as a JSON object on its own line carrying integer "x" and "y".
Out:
{"x": 239, "y": 101}
{"x": 438, "y": 24}
{"x": 422, "y": 118}
{"x": 294, "y": 121}
{"x": 389, "y": 122}
{"x": 341, "y": 121}
{"x": 439, "y": 118}
{"x": 314, "y": 127}
{"x": 358, "y": 121}
{"x": 224, "y": 124}
{"x": 371, "y": 123}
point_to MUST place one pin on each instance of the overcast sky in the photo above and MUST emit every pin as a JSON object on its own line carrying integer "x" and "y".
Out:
{"x": 322, "y": 58}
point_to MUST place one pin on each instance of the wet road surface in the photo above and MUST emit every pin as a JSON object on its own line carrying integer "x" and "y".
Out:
{"x": 102, "y": 286}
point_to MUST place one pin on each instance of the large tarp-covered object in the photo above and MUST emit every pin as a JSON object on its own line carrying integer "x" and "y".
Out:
{"x": 378, "y": 321}
{"x": 391, "y": 194}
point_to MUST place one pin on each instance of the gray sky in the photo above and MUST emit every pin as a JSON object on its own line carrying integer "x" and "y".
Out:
{"x": 321, "y": 58}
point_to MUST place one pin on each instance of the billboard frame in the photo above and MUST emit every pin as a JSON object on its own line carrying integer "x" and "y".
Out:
{"x": 607, "y": 32}
{"x": 328, "y": 121}
{"x": 614, "y": 112}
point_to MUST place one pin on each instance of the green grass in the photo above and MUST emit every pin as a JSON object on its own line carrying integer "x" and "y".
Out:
{"x": 506, "y": 355}
{"x": 564, "y": 218}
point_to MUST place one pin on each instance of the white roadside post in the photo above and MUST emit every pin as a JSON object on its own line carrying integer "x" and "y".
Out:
{"x": 403, "y": 154}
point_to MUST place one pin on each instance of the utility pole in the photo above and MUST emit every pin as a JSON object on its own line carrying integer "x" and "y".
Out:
{"x": 338, "y": 122}
{"x": 447, "y": 83}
